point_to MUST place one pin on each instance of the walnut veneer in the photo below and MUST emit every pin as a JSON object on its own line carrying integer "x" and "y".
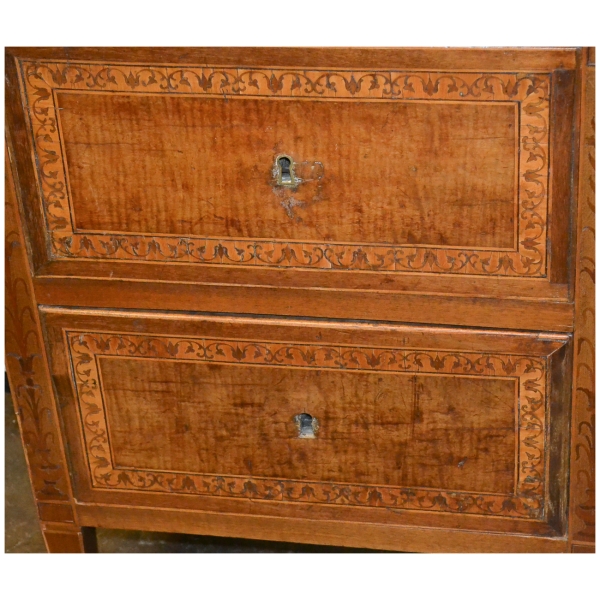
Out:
{"x": 314, "y": 295}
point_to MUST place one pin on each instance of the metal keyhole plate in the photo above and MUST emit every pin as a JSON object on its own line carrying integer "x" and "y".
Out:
{"x": 307, "y": 425}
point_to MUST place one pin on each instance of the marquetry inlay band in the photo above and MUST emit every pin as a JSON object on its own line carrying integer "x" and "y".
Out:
{"x": 527, "y": 501}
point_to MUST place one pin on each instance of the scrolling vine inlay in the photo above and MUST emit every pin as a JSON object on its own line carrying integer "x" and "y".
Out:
{"x": 25, "y": 364}
{"x": 529, "y": 92}
{"x": 527, "y": 501}
{"x": 583, "y": 445}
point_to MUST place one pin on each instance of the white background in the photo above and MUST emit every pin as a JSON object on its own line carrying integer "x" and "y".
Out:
{"x": 299, "y": 23}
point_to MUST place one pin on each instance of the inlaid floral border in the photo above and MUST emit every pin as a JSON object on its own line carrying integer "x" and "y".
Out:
{"x": 530, "y": 373}
{"x": 530, "y": 92}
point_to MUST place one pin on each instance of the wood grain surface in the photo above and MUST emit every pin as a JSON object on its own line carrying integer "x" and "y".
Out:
{"x": 204, "y": 167}
{"x": 31, "y": 386}
{"x": 583, "y": 446}
{"x": 423, "y": 293}
{"x": 423, "y": 170}
{"x": 341, "y": 533}
{"x": 432, "y": 404}
{"x": 468, "y": 59}
{"x": 455, "y": 433}
{"x": 26, "y": 366}
{"x": 282, "y": 252}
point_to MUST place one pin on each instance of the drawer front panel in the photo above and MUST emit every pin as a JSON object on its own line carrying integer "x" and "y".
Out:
{"x": 374, "y": 428}
{"x": 430, "y": 425}
{"x": 391, "y": 172}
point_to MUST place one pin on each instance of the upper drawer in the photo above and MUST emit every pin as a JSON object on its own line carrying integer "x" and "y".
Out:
{"x": 346, "y": 176}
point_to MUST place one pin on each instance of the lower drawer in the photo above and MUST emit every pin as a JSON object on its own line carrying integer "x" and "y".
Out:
{"x": 317, "y": 420}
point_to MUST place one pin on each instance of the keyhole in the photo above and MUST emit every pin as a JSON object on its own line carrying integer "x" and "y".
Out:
{"x": 285, "y": 171}
{"x": 307, "y": 425}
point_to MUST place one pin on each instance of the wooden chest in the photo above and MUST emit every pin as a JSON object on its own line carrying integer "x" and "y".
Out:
{"x": 315, "y": 295}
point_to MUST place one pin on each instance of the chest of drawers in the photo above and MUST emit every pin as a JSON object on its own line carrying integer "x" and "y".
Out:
{"x": 314, "y": 295}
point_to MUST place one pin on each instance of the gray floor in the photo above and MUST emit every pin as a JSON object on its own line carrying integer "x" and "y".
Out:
{"x": 22, "y": 532}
